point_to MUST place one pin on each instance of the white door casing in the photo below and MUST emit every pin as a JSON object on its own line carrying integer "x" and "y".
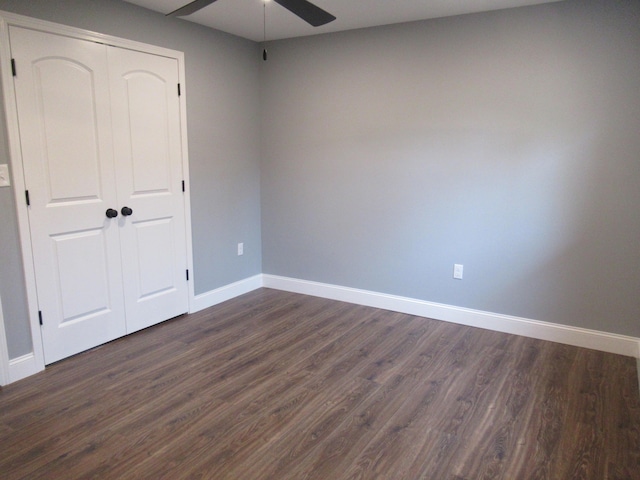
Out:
{"x": 4, "y": 365}
{"x": 84, "y": 278}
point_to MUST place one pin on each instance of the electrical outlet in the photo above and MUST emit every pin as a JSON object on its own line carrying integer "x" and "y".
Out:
{"x": 240, "y": 249}
{"x": 457, "y": 271}
{"x": 5, "y": 181}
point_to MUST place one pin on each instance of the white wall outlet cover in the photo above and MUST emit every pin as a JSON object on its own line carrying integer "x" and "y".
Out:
{"x": 241, "y": 249}
{"x": 5, "y": 181}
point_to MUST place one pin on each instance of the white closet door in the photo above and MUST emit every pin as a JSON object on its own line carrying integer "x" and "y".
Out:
{"x": 148, "y": 159}
{"x": 100, "y": 131}
{"x": 62, "y": 93}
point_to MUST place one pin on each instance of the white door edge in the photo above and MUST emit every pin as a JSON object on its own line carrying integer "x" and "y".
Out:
{"x": 4, "y": 354}
{"x": 8, "y": 19}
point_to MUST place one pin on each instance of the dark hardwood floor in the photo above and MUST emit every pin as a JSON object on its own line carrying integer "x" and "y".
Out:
{"x": 274, "y": 385}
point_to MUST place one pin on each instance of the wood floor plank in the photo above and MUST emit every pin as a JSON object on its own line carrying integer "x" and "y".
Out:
{"x": 276, "y": 385}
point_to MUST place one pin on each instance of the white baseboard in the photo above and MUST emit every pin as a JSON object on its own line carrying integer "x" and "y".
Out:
{"x": 579, "y": 337}
{"x": 222, "y": 294}
{"x": 22, "y": 367}
{"x": 26, "y": 365}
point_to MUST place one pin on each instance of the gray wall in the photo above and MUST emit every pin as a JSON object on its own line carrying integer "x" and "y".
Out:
{"x": 507, "y": 141}
{"x": 223, "y": 132}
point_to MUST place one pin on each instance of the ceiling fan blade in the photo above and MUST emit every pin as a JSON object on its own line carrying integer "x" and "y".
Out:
{"x": 190, "y": 8}
{"x": 307, "y": 11}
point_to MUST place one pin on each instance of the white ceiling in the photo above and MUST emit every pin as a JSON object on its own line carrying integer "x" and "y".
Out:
{"x": 244, "y": 18}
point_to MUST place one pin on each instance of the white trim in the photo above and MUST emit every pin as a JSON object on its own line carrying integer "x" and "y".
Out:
{"x": 185, "y": 175}
{"x": 222, "y": 294}
{"x": 7, "y": 19}
{"x": 580, "y": 337}
{"x": 4, "y": 352}
{"x": 23, "y": 367}
{"x": 15, "y": 154}
{"x": 14, "y": 19}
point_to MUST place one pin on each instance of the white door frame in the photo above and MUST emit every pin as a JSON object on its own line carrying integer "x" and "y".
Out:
{"x": 4, "y": 365}
{"x": 34, "y": 362}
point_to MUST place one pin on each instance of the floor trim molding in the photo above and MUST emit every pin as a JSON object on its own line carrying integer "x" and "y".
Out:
{"x": 26, "y": 365}
{"x": 227, "y": 292}
{"x": 23, "y": 367}
{"x": 580, "y": 337}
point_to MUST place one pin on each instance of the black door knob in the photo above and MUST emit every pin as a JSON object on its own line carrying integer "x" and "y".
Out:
{"x": 126, "y": 211}
{"x": 111, "y": 213}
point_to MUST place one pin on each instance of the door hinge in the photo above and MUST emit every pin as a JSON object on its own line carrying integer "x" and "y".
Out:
{"x": 187, "y": 275}
{"x": 40, "y": 317}
{"x": 26, "y": 195}
{"x": 183, "y": 188}
{"x": 13, "y": 67}
{"x": 178, "y": 89}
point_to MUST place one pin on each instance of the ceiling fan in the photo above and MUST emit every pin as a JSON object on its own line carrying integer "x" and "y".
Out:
{"x": 307, "y": 11}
